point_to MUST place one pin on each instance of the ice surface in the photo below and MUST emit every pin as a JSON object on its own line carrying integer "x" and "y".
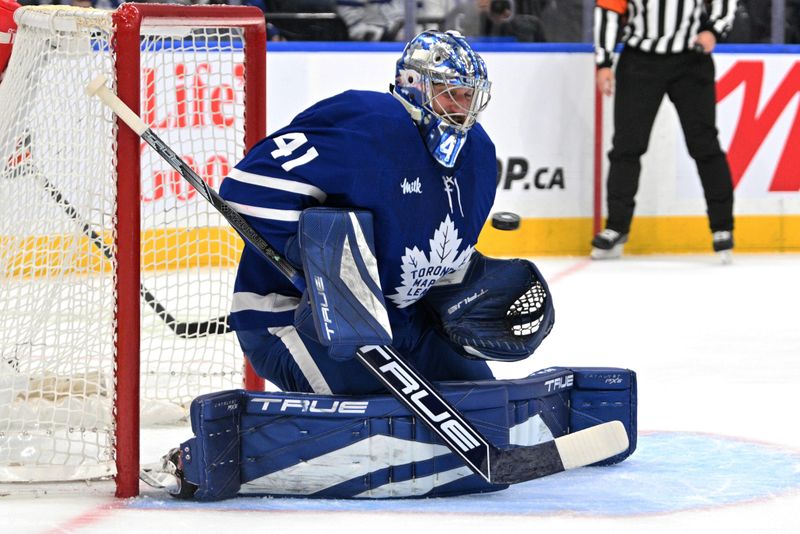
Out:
{"x": 717, "y": 353}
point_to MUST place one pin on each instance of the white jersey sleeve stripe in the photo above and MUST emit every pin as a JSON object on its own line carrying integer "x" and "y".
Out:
{"x": 277, "y": 183}
{"x": 301, "y": 356}
{"x": 273, "y": 302}
{"x": 266, "y": 213}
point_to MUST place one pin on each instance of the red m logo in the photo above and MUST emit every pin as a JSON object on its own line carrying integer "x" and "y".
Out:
{"x": 753, "y": 127}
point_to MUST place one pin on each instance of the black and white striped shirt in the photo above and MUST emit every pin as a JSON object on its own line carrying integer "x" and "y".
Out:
{"x": 659, "y": 26}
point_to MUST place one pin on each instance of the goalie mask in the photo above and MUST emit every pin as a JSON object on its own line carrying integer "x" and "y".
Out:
{"x": 443, "y": 84}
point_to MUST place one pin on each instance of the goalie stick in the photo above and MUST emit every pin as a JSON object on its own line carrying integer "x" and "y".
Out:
{"x": 179, "y": 328}
{"x": 495, "y": 465}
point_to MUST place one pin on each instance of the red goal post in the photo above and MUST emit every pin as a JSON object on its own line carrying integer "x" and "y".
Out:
{"x": 108, "y": 264}
{"x": 129, "y": 20}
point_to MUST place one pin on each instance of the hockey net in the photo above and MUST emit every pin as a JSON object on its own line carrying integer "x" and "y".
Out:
{"x": 115, "y": 277}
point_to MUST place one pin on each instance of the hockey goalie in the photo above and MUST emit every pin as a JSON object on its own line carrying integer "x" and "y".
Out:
{"x": 379, "y": 198}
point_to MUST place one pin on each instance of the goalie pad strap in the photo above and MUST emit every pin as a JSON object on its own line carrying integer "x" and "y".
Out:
{"x": 372, "y": 447}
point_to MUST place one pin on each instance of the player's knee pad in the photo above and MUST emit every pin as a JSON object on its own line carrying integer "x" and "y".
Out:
{"x": 372, "y": 447}
{"x": 496, "y": 309}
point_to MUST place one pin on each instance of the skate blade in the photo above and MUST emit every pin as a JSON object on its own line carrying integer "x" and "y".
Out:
{"x": 155, "y": 476}
{"x": 725, "y": 257}
{"x": 610, "y": 254}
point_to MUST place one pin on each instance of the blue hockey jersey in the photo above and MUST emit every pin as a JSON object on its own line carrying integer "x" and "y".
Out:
{"x": 360, "y": 150}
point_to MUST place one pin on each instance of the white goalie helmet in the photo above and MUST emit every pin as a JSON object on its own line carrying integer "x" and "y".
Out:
{"x": 444, "y": 85}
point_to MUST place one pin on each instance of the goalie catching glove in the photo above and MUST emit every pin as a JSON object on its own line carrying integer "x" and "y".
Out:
{"x": 494, "y": 309}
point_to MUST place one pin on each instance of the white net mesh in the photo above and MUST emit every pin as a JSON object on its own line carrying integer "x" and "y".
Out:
{"x": 58, "y": 171}
{"x": 193, "y": 96}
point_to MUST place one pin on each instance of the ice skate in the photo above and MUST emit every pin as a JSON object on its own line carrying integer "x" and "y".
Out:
{"x": 722, "y": 242}
{"x": 608, "y": 245}
{"x": 168, "y": 474}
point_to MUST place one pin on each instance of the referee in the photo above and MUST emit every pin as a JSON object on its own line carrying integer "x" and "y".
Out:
{"x": 668, "y": 45}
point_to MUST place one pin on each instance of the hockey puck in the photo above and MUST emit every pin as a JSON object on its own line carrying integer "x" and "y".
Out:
{"x": 505, "y": 220}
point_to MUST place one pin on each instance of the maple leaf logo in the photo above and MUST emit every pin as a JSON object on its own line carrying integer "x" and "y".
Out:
{"x": 421, "y": 270}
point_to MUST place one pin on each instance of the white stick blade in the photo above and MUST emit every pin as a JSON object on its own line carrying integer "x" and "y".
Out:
{"x": 592, "y": 444}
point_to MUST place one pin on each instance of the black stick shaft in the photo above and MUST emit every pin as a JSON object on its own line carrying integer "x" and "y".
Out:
{"x": 181, "y": 329}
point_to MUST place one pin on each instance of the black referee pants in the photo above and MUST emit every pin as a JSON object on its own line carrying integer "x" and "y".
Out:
{"x": 642, "y": 80}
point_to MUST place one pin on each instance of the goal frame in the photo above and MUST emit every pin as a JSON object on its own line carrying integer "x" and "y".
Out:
{"x": 128, "y": 21}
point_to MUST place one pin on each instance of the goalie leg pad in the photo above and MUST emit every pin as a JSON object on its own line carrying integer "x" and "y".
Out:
{"x": 603, "y": 394}
{"x": 212, "y": 460}
{"x": 372, "y": 447}
{"x": 343, "y": 307}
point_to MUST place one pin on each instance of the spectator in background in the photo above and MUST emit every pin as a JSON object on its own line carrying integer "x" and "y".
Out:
{"x": 372, "y": 20}
{"x": 792, "y": 17}
{"x": 562, "y": 20}
{"x": 753, "y": 22}
{"x": 494, "y": 18}
{"x": 273, "y": 33}
{"x": 299, "y": 20}
{"x": 760, "y": 13}
{"x": 475, "y": 18}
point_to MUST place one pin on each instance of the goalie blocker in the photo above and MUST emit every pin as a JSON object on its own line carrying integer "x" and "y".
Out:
{"x": 371, "y": 447}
